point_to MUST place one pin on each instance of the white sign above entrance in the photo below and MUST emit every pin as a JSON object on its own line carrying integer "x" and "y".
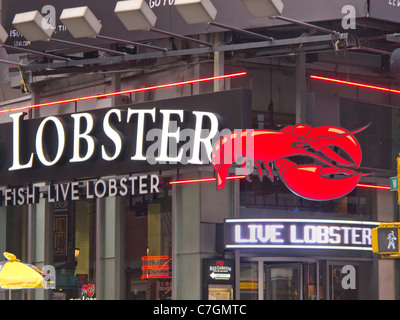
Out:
{"x": 298, "y": 234}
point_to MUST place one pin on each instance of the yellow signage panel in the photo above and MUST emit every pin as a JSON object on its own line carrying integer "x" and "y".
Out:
{"x": 385, "y": 240}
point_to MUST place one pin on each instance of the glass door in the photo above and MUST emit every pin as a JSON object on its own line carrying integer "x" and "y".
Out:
{"x": 338, "y": 278}
{"x": 283, "y": 281}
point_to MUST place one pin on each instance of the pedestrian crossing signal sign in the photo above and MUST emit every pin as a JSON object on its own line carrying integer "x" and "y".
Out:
{"x": 385, "y": 240}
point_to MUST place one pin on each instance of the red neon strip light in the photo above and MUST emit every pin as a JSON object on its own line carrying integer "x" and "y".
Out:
{"x": 356, "y": 84}
{"x": 204, "y": 180}
{"x": 146, "y": 258}
{"x": 372, "y": 186}
{"x": 105, "y": 95}
{"x": 361, "y": 185}
{"x": 156, "y": 267}
{"x": 361, "y": 85}
{"x": 160, "y": 276}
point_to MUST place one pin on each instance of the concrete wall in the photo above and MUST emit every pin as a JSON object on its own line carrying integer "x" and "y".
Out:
{"x": 196, "y": 210}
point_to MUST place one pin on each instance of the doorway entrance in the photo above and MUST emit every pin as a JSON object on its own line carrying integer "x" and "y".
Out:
{"x": 283, "y": 281}
{"x": 305, "y": 279}
{"x": 275, "y": 280}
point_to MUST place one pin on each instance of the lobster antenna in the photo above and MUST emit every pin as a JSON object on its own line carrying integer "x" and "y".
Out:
{"x": 339, "y": 135}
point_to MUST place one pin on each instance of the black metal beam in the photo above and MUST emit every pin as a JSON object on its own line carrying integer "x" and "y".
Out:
{"x": 86, "y": 46}
{"x": 40, "y": 53}
{"x": 106, "y": 61}
{"x": 134, "y": 43}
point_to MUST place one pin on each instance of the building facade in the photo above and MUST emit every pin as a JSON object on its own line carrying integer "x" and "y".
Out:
{"x": 106, "y": 169}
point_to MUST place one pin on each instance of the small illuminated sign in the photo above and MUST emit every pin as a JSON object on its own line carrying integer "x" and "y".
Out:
{"x": 388, "y": 240}
{"x": 156, "y": 267}
{"x": 218, "y": 271}
{"x": 298, "y": 234}
{"x": 385, "y": 240}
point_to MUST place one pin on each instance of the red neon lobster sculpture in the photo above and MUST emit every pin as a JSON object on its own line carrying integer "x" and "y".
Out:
{"x": 332, "y": 176}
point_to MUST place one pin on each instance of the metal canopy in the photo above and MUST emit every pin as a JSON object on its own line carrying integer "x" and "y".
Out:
{"x": 266, "y": 38}
{"x": 259, "y": 48}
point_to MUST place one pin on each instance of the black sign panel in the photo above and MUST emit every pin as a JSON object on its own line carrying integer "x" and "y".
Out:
{"x": 220, "y": 274}
{"x": 388, "y": 10}
{"x": 229, "y": 12}
{"x": 231, "y": 108}
{"x": 388, "y": 240}
{"x": 218, "y": 271}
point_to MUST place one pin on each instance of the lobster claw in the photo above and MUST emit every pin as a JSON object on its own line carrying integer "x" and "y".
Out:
{"x": 314, "y": 182}
{"x": 222, "y": 173}
{"x": 328, "y": 139}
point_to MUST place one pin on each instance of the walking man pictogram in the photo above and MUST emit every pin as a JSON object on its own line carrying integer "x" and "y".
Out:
{"x": 391, "y": 238}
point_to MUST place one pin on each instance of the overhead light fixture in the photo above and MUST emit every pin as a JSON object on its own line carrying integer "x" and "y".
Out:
{"x": 81, "y": 22}
{"x": 273, "y": 9}
{"x": 33, "y": 26}
{"x": 264, "y": 8}
{"x": 196, "y": 11}
{"x": 203, "y": 11}
{"x": 135, "y": 15}
{"x": 3, "y": 35}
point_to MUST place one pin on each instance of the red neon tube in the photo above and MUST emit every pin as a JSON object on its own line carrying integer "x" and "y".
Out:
{"x": 111, "y": 94}
{"x": 156, "y": 267}
{"x": 146, "y": 258}
{"x": 356, "y": 84}
{"x": 160, "y": 276}
{"x": 204, "y": 180}
{"x": 360, "y": 185}
{"x": 372, "y": 186}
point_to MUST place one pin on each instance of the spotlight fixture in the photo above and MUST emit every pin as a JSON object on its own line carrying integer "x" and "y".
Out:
{"x": 273, "y": 9}
{"x": 81, "y": 22}
{"x": 3, "y": 35}
{"x": 203, "y": 11}
{"x": 33, "y": 26}
{"x": 196, "y": 11}
{"x": 264, "y": 8}
{"x": 135, "y": 15}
